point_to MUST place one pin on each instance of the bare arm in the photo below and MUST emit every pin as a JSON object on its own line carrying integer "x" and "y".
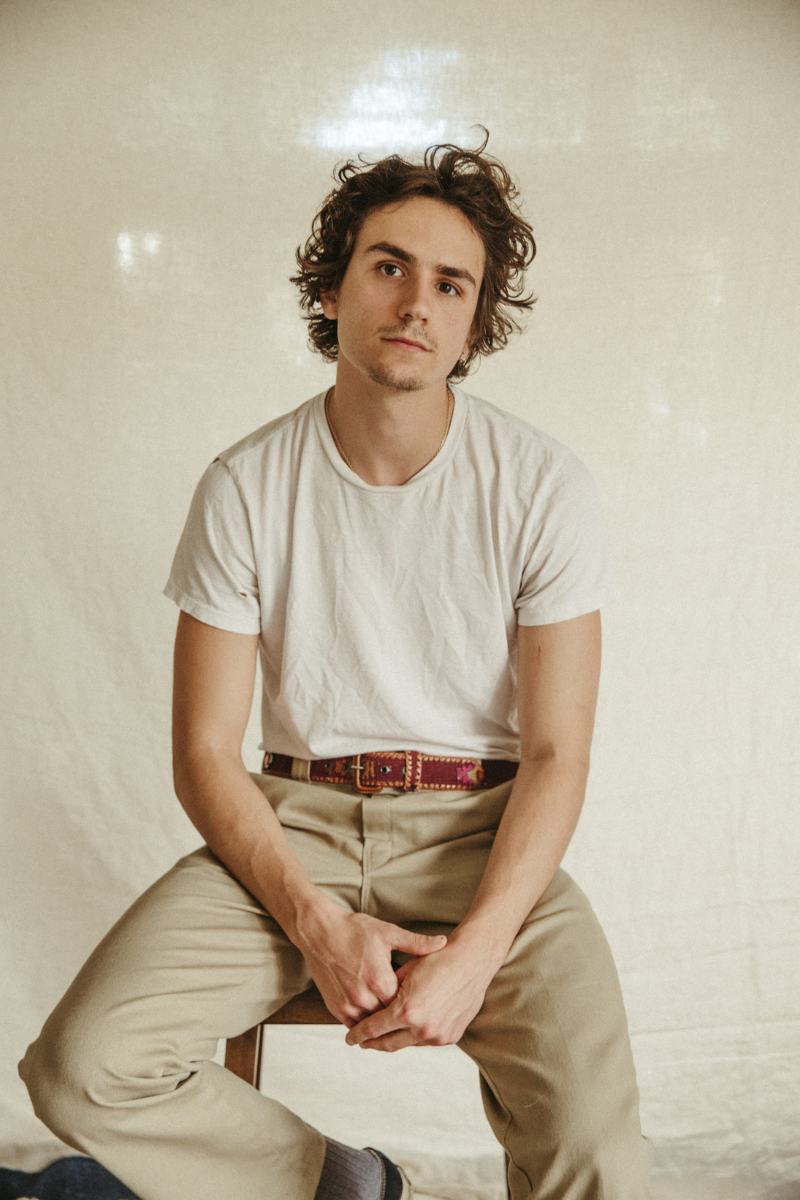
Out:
{"x": 559, "y": 670}
{"x": 349, "y": 955}
{"x": 559, "y": 673}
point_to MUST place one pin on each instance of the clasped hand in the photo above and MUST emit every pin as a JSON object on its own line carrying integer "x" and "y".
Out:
{"x": 429, "y": 1001}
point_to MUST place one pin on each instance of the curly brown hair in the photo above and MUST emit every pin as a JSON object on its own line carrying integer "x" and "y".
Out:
{"x": 471, "y": 181}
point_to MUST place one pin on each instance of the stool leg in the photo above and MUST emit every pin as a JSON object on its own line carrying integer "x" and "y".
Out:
{"x": 243, "y": 1055}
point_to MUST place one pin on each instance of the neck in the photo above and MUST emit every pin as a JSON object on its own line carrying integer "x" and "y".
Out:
{"x": 387, "y": 436}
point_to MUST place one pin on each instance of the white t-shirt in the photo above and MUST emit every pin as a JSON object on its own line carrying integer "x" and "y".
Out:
{"x": 388, "y": 615}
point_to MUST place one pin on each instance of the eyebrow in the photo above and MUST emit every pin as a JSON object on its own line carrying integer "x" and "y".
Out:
{"x": 412, "y": 260}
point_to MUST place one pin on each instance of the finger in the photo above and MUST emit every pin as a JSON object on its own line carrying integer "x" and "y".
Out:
{"x": 352, "y": 1014}
{"x": 350, "y": 1010}
{"x": 348, "y": 1018}
{"x": 399, "y": 1040}
{"x": 385, "y": 990}
{"x": 404, "y": 969}
{"x": 374, "y": 1026}
{"x": 350, "y": 1003}
{"x": 417, "y": 943}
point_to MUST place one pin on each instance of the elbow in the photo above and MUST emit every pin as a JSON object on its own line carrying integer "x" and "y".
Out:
{"x": 552, "y": 760}
{"x": 195, "y": 764}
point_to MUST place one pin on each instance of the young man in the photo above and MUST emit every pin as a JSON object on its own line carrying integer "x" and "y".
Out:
{"x": 421, "y": 574}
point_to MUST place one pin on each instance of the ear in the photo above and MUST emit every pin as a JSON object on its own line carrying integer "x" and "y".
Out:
{"x": 329, "y": 303}
{"x": 468, "y": 344}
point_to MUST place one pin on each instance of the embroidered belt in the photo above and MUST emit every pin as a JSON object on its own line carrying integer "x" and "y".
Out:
{"x": 406, "y": 769}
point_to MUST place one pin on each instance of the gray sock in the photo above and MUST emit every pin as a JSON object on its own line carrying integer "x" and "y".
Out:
{"x": 349, "y": 1174}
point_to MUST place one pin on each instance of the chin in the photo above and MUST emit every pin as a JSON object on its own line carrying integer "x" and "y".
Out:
{"x": 398, "y": 381}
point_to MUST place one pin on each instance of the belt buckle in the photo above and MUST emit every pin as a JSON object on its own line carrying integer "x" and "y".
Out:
{"x": 355, "y": 767}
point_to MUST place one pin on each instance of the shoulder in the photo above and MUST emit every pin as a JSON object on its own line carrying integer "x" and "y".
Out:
{"x": 518, "y": 451}
{"x": 240, "y": 477}
{"x": 276, "y": 439}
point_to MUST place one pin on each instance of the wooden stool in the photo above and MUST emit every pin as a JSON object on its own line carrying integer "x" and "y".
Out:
{"x": 243, "y": 1053}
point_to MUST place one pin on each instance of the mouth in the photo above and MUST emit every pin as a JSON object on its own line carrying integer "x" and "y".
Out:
{"x": 409, "y": 344}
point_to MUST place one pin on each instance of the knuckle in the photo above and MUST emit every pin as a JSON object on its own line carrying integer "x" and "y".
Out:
{"x": 363, "y": 997}
{"x": 433, "y": 1034}
{"x": 409, "y": 1014}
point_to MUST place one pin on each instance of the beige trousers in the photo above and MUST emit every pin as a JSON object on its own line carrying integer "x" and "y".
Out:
{"x": 121, "y": 1069}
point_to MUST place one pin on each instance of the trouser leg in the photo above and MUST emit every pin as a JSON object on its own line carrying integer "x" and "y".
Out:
{"x": 121, "y": 1070}
{"x": 557, "y": 1075}
{"x": 551, "y": 1040}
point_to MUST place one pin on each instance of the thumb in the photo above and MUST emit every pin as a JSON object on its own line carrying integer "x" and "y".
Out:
{"x": 417, "y": 943}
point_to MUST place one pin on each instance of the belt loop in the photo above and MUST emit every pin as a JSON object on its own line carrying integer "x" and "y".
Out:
{"x": 413, "y": 772}
{"x": 301, "y": 770}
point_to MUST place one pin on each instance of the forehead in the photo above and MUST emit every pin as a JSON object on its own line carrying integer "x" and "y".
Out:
{"x": 437, "y": 234}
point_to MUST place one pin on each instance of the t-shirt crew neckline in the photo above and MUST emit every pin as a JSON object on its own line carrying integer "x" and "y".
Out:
{"x": 436, "y": 464}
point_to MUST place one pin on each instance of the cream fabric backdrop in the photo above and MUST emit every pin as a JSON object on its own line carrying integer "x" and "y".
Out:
{"x": 160, "y": 162}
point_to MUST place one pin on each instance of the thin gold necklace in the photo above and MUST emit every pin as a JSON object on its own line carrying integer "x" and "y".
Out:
{"x": 450, "y": 409}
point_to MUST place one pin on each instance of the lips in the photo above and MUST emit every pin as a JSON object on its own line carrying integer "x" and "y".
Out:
{"x": 408, "y": 343}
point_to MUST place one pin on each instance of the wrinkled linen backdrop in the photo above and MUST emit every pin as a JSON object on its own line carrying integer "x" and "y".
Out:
{"x": 160, "y": 164}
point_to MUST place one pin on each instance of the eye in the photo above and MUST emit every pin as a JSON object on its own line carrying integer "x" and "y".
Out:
{"x": 390, "y": 269}
{"x": 453, "y": 290}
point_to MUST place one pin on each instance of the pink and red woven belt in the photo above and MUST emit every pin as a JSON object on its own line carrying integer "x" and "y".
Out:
{"x": 406, "y": 769}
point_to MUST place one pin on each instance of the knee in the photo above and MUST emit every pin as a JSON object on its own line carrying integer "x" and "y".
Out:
{"x": 57, "y": 1076}
{"x": 75, "y": 1074}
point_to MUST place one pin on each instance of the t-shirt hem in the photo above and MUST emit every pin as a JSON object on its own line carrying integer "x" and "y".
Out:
{"x": 351, "y": 747}
{"x": 208, "y": 615}
{"x": 580, "y": 606}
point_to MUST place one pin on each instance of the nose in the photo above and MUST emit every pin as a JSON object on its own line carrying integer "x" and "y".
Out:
{"x": 413, "y": 304}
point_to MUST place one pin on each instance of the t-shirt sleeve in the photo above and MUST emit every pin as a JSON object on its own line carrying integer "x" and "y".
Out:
{"x": 213, "y": 575}
{"x": 567, "y": 570}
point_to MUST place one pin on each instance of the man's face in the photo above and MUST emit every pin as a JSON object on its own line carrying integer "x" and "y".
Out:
{"x": 405, "y": 306}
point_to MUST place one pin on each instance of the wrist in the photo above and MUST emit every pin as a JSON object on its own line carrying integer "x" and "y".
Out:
{"x": 290, "y": 898}
{"x": 483, "y": 941}
{"x": 313, "y": 914}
